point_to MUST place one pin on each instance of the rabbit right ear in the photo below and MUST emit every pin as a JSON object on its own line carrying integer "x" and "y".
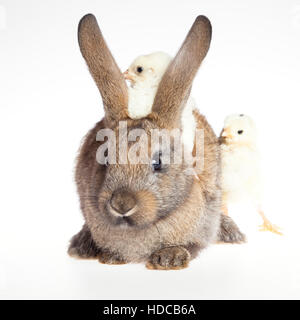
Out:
{"x": 176, "y": 83}
{"x": 103, "y": 68}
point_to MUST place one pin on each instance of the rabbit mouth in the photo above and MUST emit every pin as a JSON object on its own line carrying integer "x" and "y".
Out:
{"x": 118, "y": 214}
{"x": 120, "y": 218}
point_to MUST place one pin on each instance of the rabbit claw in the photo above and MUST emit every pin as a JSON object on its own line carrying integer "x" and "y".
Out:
{"x": 170, "y": 258}
{"x": 107, "y": 257}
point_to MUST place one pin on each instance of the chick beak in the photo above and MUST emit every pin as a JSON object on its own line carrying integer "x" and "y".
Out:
{"x": 128, "y": 76}
{"x": 226, "y": 134}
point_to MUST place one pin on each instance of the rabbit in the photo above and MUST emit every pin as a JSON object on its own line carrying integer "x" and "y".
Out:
{"x": 150, "y": 213}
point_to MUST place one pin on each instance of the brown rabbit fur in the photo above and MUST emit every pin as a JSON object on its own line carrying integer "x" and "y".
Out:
{"x": 175, "y": 215}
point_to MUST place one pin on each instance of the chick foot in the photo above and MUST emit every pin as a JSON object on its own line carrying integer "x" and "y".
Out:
{"x": 268, "y": 226}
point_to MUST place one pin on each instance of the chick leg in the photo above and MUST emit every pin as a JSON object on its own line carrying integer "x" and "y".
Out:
{"x": 225, "y": 209}
{"x": 267, "y": 225}
{"x": 224, "y": 205}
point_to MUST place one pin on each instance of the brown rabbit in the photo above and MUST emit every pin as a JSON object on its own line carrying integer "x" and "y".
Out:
{"x": 154, "y": 212}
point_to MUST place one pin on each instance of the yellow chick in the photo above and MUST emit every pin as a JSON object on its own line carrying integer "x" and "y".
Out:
{"x": 144, "y": 74}
{"x": 241, "y": 177}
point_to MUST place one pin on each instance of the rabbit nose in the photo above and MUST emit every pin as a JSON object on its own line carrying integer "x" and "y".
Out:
{"x": 123, "y": 202}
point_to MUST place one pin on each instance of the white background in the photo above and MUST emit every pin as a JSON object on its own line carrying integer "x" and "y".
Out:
{"x": 48, "y": 101}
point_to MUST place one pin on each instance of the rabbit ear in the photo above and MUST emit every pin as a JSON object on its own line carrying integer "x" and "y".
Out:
{"x": 103, "y": 68}
{"x": 176, "y": 83}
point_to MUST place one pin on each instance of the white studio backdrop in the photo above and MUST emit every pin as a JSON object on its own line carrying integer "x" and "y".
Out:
{"x": 48, "y": 101}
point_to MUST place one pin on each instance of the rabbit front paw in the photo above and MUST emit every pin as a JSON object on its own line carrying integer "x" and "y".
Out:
{"x": 170, "y": 258}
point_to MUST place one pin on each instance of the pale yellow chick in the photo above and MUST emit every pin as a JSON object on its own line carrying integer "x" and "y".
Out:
{"x": 144, "y": 74}
{"x": 241, "y": 177}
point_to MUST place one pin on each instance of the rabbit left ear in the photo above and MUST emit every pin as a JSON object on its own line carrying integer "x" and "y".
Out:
{"x": 103, "y": 68}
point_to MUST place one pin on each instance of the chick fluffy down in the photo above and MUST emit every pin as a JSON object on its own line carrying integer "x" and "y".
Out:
{"x": 241, "y": 176}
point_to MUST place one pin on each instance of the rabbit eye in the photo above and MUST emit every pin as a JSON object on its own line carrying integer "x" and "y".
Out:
{"x": 156, "y": 164}
{"x": 139, "y": 69}
{"x": 240, "y": 131}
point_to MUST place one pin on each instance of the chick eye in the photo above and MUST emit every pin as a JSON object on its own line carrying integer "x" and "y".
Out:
{"x": 156, "y": 164}
{"x": 240, "y": 131}
{"x": 139, "y": 69}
